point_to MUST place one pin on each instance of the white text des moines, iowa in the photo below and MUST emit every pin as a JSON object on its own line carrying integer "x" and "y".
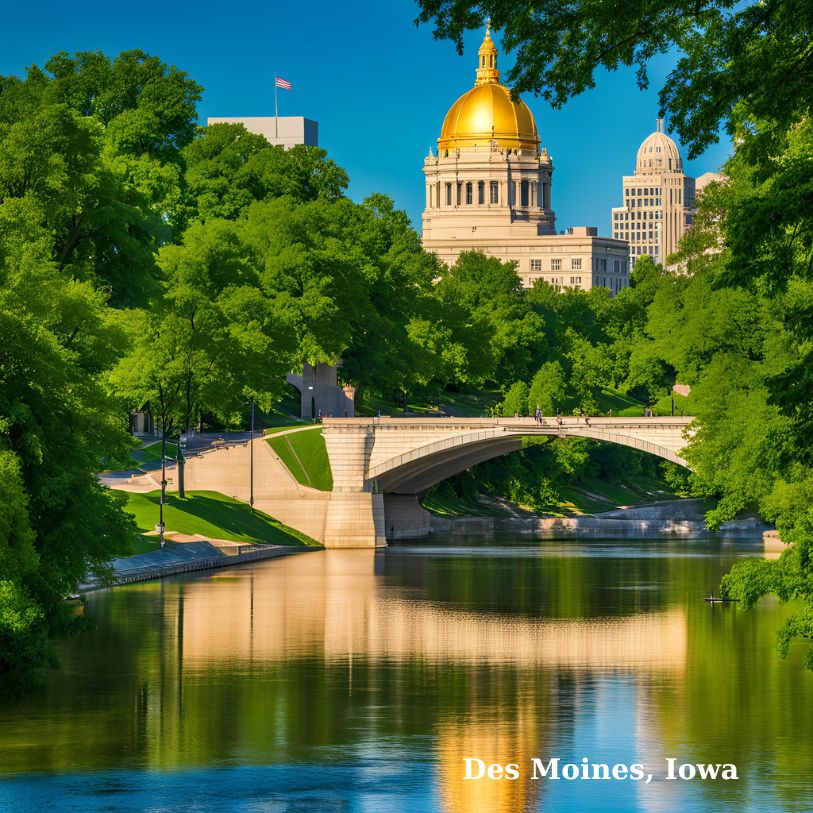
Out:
{"x": 584, "y": 769}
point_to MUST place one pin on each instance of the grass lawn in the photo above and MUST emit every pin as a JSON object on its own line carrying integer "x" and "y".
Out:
{"x": 152, "y": 452}
{"x": 211, "y": 514}
{"x": 664, "y": 406}
{"x": 621, "y": 404}
{"x": 305, "y": 455}
{"x": 444, "y": 504}
{"x": 469, "y": 404}
{"x": 285, "y": 413}
{"x": 591, "y": 496}
{"x": 284, "y": 427}
{"x": 277, "y": 420}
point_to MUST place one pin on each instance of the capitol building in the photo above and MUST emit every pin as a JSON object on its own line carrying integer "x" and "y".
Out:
{"x": 488, "y": 189}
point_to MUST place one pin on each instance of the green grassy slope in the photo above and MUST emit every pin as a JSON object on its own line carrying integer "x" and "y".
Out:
{"x": 591, "y": 496}
{"x": 305, "y": 455}
{"x": 211, "y": 514}
{"x": 469, "y": 404}
{"x": 621, "y": 404}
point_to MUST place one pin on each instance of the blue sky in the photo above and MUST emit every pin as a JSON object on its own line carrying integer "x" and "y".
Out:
{"x": 378, "y": 86}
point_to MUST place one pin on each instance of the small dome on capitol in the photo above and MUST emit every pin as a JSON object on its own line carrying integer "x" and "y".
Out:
{"x": 486, "y": 115}
{"x": 658, "y": 153}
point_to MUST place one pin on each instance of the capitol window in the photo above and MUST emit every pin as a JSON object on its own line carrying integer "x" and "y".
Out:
{"x": 575, "y": 280}
{"x": 555, "y": 264}
{"x": 576, "y": 264}
{"x": 481, "y": 192}
{"x": 536, "y": 265}
{"x": 469, "y": 194}
{"x": 495, "y": 192}
{"x": 448, "y": 194}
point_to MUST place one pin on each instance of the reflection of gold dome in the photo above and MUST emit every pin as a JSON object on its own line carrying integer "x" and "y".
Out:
{"x": 487, "y": 112}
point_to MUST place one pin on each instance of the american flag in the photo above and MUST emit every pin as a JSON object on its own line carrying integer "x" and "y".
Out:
{"x": 282, "y": 83}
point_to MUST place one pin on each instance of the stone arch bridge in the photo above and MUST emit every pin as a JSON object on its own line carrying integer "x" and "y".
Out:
{"x": 382, "y": 466}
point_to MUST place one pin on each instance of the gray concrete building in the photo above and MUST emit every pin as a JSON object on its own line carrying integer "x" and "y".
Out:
{"x": 285, "y": 131}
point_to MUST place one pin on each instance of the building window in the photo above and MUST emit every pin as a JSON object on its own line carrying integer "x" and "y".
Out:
{"x": 469, "y": 194}
{"x": 575, "y": 280}
{"x": 576, "y": 264}
{"x": 555, "y": 264}
{"x": 495, "y": 192}
{"x": 481, "y": 192}
{"x": 523, "y": 194}
{"x": 459, "y": 193}
{"x": 536, "y": 265}
{"x": 448, "y": 194}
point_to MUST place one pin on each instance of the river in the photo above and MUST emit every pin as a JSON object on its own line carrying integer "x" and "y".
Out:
{"x": 359, "y": 682}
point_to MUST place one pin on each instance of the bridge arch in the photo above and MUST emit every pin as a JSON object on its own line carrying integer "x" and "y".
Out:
{"x": 417, "y": 469}
{"x": 381, "y": 465}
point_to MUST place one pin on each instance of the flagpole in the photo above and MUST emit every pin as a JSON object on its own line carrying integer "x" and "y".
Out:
{"x": 276, "y": 110}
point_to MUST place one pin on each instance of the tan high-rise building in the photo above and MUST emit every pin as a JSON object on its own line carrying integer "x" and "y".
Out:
{"x": 658, "y": 200}
{"x": 489, "y": 189}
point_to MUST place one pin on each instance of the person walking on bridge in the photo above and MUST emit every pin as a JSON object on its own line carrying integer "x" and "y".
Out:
{"x": 538, "y": 414}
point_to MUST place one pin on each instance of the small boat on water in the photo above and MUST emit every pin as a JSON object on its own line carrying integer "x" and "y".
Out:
{"x": 718, "y": 599}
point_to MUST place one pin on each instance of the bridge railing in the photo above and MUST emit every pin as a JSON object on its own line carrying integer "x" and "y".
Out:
{"x": 549, "y": 421}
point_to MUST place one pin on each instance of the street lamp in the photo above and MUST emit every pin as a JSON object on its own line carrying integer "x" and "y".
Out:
{"x": 163, "y": 482}
{"x": 311, "y": 388}
{"x": 251, "y": 460}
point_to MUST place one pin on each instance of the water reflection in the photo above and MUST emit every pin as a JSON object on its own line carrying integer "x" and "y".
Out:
{"x": 335, "y": 607}
{"x": 378, "y": 674}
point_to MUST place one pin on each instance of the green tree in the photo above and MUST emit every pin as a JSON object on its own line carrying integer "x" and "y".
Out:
{"x": 228, "y": 168}
{"x": 505, "y": 335}
{"x": 56, "y": 424}
{"x": 729, "y": 53}
{"x": 96, "y": 143}
{"x": 516, "y": 400}
{"x": 548, "y": 390}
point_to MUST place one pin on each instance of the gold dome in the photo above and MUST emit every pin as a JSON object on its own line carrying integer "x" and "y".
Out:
{"x": 487, "y": 112}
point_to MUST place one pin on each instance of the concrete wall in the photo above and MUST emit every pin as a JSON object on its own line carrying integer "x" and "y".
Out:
{"x": 276, "y": 491}
{"x": 405, "y": 517}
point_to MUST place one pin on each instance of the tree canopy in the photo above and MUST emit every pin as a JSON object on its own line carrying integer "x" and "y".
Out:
{"x": 754, "y": 54}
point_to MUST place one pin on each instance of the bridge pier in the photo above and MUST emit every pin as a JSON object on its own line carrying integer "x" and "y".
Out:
{"x": 355, "y": 519}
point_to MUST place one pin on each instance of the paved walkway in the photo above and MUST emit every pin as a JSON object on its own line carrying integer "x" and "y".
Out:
{"x": 188, "y": 557}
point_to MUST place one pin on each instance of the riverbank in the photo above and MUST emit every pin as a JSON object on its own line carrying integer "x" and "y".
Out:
{"x": 176, "y": 558}
{"x": 682, "y": 518}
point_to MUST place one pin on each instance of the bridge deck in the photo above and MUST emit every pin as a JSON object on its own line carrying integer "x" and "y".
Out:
{"x": 510, "y": 423}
